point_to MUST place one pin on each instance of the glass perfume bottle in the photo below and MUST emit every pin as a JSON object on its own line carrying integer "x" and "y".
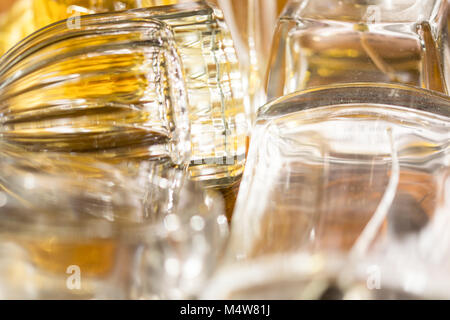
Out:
{"x": 113, "y": 89}
{"x": 344, "y": 169}
{"x": 252, "y": 24}
{"x": 219, "y": 129}
{"x": 74, "y": 228}
{"x": 213, "y": 83}
{"x": 330, "y": 42}
{"x": 413, "y": 266}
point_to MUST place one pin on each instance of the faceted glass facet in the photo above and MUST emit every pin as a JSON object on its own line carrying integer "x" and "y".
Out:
{"x": 252, "y": 24}
{"x": 328, "y": 42}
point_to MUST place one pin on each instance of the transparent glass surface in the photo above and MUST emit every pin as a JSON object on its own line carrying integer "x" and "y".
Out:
{"x": 211, "y": 70}
{"x": 315, "y": 277}
{"x": 343, "y": 169}
{"x": 213, "y": 79}
{"x": 79, "y": 229}
{"x": 408, "y": 268}
{"x": 252, "y": 24}
{"x": 113, "y": 88}
{"x": 20, "y": 18}
{"x": 328, "y": 42}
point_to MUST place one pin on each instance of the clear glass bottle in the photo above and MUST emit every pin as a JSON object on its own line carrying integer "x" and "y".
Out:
{"x": 213, "y": 82}
{"x": 327, "y": 42}
{"x": 252, "y": 24}
{"x": 344, "y": 169}
{"x": 219, "y": 129}
{"x": 113, "y": 89}
{"x": 412, "y": 266}
{"x": 74, "y": 228}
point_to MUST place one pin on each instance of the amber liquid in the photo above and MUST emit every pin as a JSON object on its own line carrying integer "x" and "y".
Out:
{"x": 20, "y": 18}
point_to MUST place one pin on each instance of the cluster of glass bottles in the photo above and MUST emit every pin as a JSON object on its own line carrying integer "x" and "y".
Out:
{"x": 337, "y": 110}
